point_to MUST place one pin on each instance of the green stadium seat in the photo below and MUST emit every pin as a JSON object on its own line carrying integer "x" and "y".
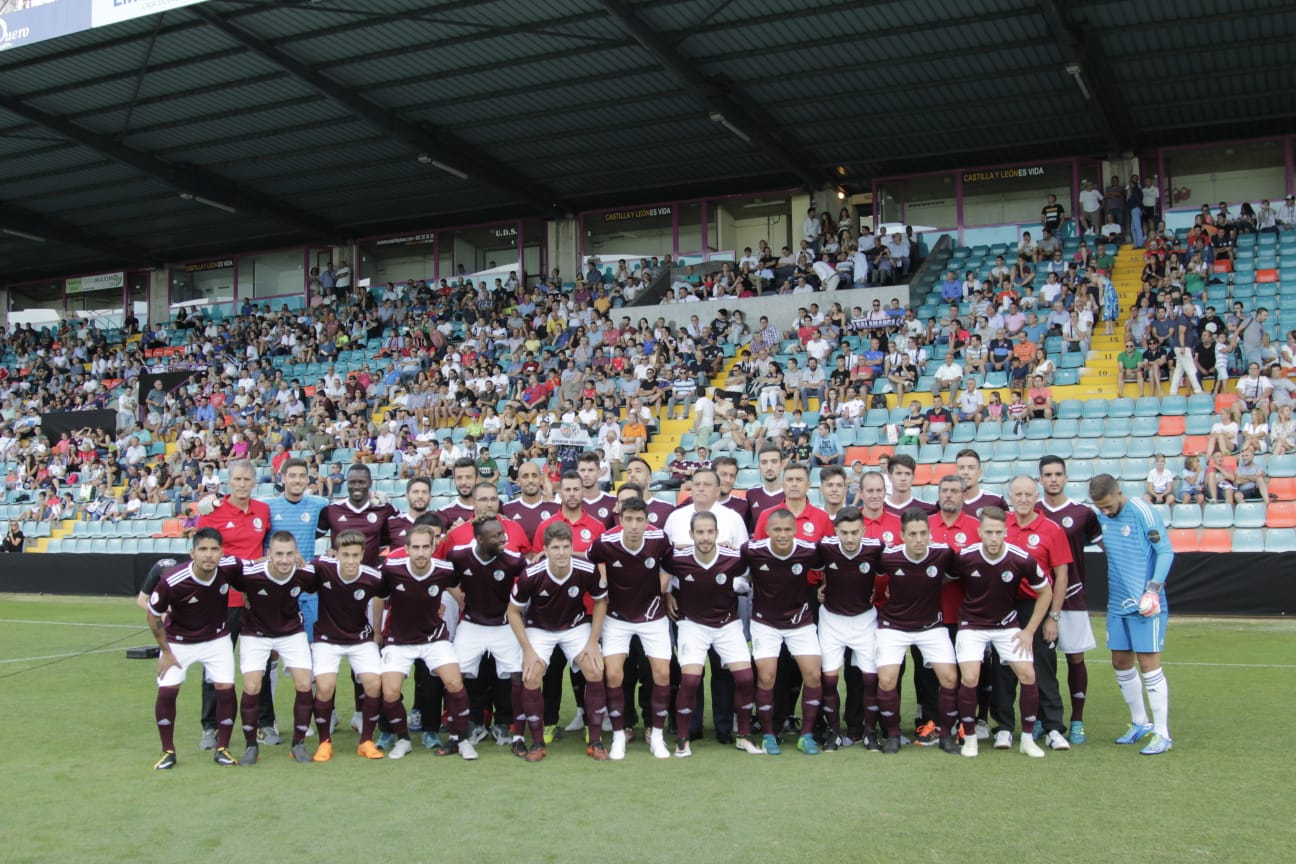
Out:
{"x": 1141, "y": 448}
{"x": 113, "y": 546}
{"x": 1065, "y": 377}
{"x": 1169, "y": 445}
{"x": 1117, "y": 427}
{"x": 1134, "y": 469}
{"x": 1065, "y": 429}
{"x": 1070, "y": 360}
{"x": 1091, "y": 427}
{"x": 930, "y": 454}
{"x": 1199, "y": 424}
{"x": 1280, "y": 541}
{"x": 1095, "y": 409}
{"x": 1107, "y": 466}
{"x": 1216, "y": 515}
{"x": 1112, "y": 448}
{"x": 1039, "y": 430}
{"x": 1134, "y": 488}
{"x": 1077, "y": 490}
{"x": 1248, "y": 540}
{"x": 1084, "y": 448}
{"x": 1162, "y": 510}
{"x": 989, "y": 430}
{"x": 1186, "y": 516}
{"x": 1147, "y": 406}
{"x": 1249, "y": 514}
{"x": 1143, "y": 427}
{"x": 1120, "y": 407}
{"x": 963, "y": 433}
{"x": 1060, "y": 447}
{"x": 1069, "y": 409}
{"x": 951, "y": 451}
{"x": 1174, "y": 406}
{"x": 1033, "y": 449}
{"x": 997, "y": 472}
{"x": 1006, "y": 451}
{"x": 1283, "y": 465}
{"x": 877, "y": 417}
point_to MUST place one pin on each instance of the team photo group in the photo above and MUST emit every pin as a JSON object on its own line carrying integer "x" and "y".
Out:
{"x": 630, "y": 603}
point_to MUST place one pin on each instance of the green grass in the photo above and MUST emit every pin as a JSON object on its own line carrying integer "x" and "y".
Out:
{"x": 80, "y": 741}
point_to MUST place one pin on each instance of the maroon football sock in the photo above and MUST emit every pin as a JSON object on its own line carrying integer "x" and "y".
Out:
{"x": 164, "y": 710}
{"x": 249, "y": 709}
{"x": 765, "y": 710}
{"x": 519, "y": 708}
{"x": 369, "y": 712}
{"x": 1029, "y": 701}
{"x": 967, "y": 706}
{"x": 533, "y": 705}
{"x": 659, "y": 703}
{"x": 395, "y": 714}
{"x": 226, "y": 707}
{"x": 323, "y": 719}
{"x": 889, "y": 711}
{"x": 303, "y": 701}
{"x": 595, "y": 709}
{"x": 947, "y": 707}
{"x": 686, "y": 703}
{"x": 616, "y": 707}
{"x": 872, "y": 711}
{"x": 811, "y": 699}
{"x": 831, "y": 704}
{"x": 1077, "y": 683}
{"x": 744, "y": 698}
{"x": 457, "y": 708}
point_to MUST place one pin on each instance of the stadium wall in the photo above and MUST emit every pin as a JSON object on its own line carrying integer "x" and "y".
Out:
{"x": 779, "y": 308}
{"x": 1245, "y": 585}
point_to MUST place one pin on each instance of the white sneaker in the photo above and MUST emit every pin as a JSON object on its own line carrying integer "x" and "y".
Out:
{"x": 400, "y": 749}
{"x": 970, "y": 747}
{"x": 983, "y": 730}
{"x": 578, "y": 722}
{"x": 467, "y": 750}
{"x": 683, "y": 751}
{"x": 617, "y": 751}
{"x": 1057, "y": 741}
{"x": 1029, "y": 747}
{"x": 657, "y": 745}
{"x": 746, "y": 745}
{"x": 357, "y": 721}
{"x": 1003, "y": 740}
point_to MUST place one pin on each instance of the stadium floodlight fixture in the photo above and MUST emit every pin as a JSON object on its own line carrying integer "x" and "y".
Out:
{"x": 14, "y": 232}
{"x": 425, "y": 159}
{"x": 1074, "y": 70}
{"x": 189, "y": 196}
{"x": 717, "y": 117}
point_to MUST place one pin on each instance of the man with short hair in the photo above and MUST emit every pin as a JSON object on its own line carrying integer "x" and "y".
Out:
{"x": 948, "y": 376}
{"x": 187, "y": 613}
{"x": 726, "y": 469}
{"x": 1139, "y": 556}
{"x": 901, "y": 469}
{"x": 530, "y": 507}
{"x": 594, "y": 500}
{"x": 464, "y": 475}
{"x": 769, "y": 462}
{"x": 639, "y": 472}
{"x": 967, "y": 464}
{"x": 990, "y": 573}
{"x": 731, "y": 532}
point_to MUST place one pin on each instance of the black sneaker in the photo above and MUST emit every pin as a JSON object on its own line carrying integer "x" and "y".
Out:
{"x": 871, "y": 742}
{"x": 222, "y": 756}
{"x": 449, "y": 748}
{"x": 892, "y": 745}
{"x": 831, "y": 741}
{"x": 250, "y": 756}
{"x": 724, "y": 738}
{"x": 519, "y": 748}
{"x": 166, "y": 762}
{"x": 949, "y": 744}
{"x": 927, "y": 735}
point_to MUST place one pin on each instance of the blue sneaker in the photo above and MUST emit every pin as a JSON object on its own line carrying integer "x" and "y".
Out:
{"x": 431, "y": 740}
{"x": 807, "y": 745}
{"x": 386, "y": 741}
{"x": 1038, "y": 732}
{"x": 1135, "y": 733}
{"x": 1157, "y": 746}
{"x": 770, "y": 745}
{"x": 1077, "y": 735}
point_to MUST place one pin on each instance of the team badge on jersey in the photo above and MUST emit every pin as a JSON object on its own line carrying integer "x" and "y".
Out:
{"x": 796, "y": 569}
{"x": 602, "y": 511}
{"x": 224, "y": 589}
{"x": 652, "y": 517}
{"x": 499, "y": 575}
{"x": 154, "y": 598}
{"x": 808, "y": 528}
{"x": 585, "y": 534}
{"x": 1125, "y": 530}
{"x": 721, "y": 578}
{"x": 650, "y": 562}
{"x": 256, "y": 523}
{"x": 573, "y": 591}
{"x": 864, "y": 567}
{"x": 1006, "y": 576}
{"x": 889, "y": 537}
{"x": 960, "y": 537}
{"x": 931, "y": 571}
{"x": 372, "y": 517}
{"x": 305, "y": 517}
{"x": 358, "y": 593}
{"x": 545, "y": 514}
{"x": 1067, "y": 521}
{"x": 1033, "y": 540}
{"x": 294, "y": 592}
{"x": 433, "y": 590}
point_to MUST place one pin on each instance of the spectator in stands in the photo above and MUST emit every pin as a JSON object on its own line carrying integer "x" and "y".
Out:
{"x": 1282, "y": 431}
{"x": 1156, "y": 364}
{"x": 1160, "y": 483}
{"x": 1253, "y": 391}
{"x": 938, "y": 422}
{"x": 14, "y": 538}
{"x": 1223, "y": 437}
{"x": 948, "y": 376}
{"x": 1192, "y": 482}
{"x": 1129, "y": 368}
{"x": 1266, "y": 218}
{"x": 825, "y": 448}
{"x": 1091, "y": 201}
{"x": 1286, "y": 215}
{"x": 1040, "y": 399}
{"x": 1134, "y": 210}
{"x": 1249, "y": 478}
{"x": 971, "y": 404}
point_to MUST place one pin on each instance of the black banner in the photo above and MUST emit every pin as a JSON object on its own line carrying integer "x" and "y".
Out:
{"x": 54, "y": 424}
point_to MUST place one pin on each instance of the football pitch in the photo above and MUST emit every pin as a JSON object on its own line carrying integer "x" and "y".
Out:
{"x": 79, "y": 743}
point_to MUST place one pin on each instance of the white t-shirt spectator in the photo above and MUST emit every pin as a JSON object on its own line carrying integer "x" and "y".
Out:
{"x": 1160, "y": 481}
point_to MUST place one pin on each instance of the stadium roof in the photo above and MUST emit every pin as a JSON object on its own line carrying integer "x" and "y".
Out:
{"x": 316, "y": 121}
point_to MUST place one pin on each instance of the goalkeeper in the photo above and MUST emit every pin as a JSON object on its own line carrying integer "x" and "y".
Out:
{"x": 1138, "y": 561}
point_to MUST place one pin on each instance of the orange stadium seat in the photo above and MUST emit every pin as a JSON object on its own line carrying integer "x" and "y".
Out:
{"x": 1213, "y": 540}
{"x": 1194, "y": 445}
{"x": 1223, "y": 265}
{"x": 1266, "y": 275}
{"x": 1283, "y": 487}
{"x": 1171, "y": 426}
{"x": 857, "y": 453}
{"x": 1224, "y": 400}
{"x": 171, "y": 528}
{"x": 1281, "y": 514}
{"x": 876, "y": 453}
{"x": 1183, "y": 539}
{"x": 942, "y": 470}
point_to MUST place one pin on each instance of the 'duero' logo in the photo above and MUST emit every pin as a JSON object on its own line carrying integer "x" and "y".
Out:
{"x": 10, "y": 38}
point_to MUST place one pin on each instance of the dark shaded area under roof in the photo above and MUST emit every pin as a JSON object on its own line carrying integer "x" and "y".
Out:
{"x": 309, "y": 118}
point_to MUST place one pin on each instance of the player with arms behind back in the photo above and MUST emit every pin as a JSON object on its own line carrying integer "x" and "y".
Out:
{"x": 1138, "y": 562}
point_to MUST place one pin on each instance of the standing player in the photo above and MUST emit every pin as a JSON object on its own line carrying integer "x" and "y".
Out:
{"x": 726, "y": 469}
{"x": 272, "y": 623}
{"x": 1075, "y": 634}
{"x": 551, "y": 592}
{"x": 1138, "y": 562}
{"x": 639, "y": 472}
{"x": 901, "y": 468}
{"x": 769, "y": 460}
{"x": 465, "y": 477}
{"x": 781, "y": 614}
{"x": 418, "y": 495}
{"x": 416, "y": 631}
{"x": 911, "y": 615}
{"x": 968, "y": 465}
{"x": 1044, "y": 541}
{"x": 347, "y": 588}
{"x": 486, "y": 505}
{"x": 630, "y": 560}
{"x": 298, "y": 514}
{"x": 991, "y": 572}
{"x": 861, "y": 711}
{"x": 187, "y": 616}
{"x": 596, "y": 502}
{"x": 705, "y": 498}
{"x": 487, "y": 570}
{"x": 847, "y": 618}
{"x": 531, "y": 508}
{"x": 706, "y": 584}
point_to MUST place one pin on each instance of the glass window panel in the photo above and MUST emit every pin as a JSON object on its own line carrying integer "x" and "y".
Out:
{"x": 745, "y": 222}
{"x": 203, "y": 280}
{"x": 1246, "y": 171}
{"x": 930, "y": 201}
{"x": 272, "y": 274}
{"x": 397, "y": 259}
{"x": 993, "y": 196}
{"x": 690, "y": 228}
{"x": 630, "y": 233}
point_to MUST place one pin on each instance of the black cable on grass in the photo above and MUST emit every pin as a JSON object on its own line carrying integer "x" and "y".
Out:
{"x": 132, "y": 635}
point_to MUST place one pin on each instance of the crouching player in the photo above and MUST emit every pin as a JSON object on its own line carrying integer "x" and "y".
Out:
{"x": 991, "y": 572}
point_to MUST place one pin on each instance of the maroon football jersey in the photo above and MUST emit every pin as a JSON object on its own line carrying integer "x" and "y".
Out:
{"x": 486, "y": 584}
{"x": 913, "y": 601}
{"x": 780, "y": 596}
{"x": 633, "y": 578}
{"x": 741, "y": 507}
{"x": 658, "y": 510}
{"x": 557, "y": 604}
{"x": 529, "y": 516}
{"x": 343, "y": 605}
{"x": 194, "y": 611}
{"x": 602, "y": 508}
{"x": 990, "y": 586}
{"x": 398, "y": 525}
{"x": 984, "y": 499}
{"x": 898, "y": 509}
{"x": 371, "y": 521}
{"x": 270, "y": 604}
{"x": 456, "y": 511}
{"x": 705, "y": 593}
{"x": 848, "y": 579}
{"x": 414, "y": 603}
{"x": 1080, "y": 524}
{"x": 758, "y": 501}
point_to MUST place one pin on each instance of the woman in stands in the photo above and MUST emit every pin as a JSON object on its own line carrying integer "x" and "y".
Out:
{"x": 1192, "y": 482}
{"x": 1282, "y": 431}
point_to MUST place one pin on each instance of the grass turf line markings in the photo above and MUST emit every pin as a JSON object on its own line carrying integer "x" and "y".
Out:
{"x": 64, "y": 623}
{"x": 59, "y": 656}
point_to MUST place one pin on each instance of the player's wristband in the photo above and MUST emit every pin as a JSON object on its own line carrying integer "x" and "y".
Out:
{"x": 1152, "y": 587}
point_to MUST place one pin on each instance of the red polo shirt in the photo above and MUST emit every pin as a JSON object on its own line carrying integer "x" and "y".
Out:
{"x": 243, "y": 532}
{"x": 962, "y": 534}
{"x": 461, "y": 535}
{"x": 886, "y": 530}
{"x": 1046, "y": 542}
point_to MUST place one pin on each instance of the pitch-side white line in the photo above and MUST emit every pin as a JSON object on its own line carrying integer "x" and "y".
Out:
{"x": 1233, "y": 665}
{"x": 68, "y": 623}
{"x": 61, "y": 656}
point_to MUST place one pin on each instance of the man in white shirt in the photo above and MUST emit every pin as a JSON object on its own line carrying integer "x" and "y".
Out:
{"x": 1287, "y": 214}
{"x": 948, "y": 376}
{"x": 828, "y": 276}
{"x": 860, "y": 266}
{"x": 810, "y": 228}
{"x": 812, "y": 380}
{"x": 971, "y": 403}
{"x": 898, "y": 246}
{"x": 705, "y": 495}
{"x": 818, "y": 348}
